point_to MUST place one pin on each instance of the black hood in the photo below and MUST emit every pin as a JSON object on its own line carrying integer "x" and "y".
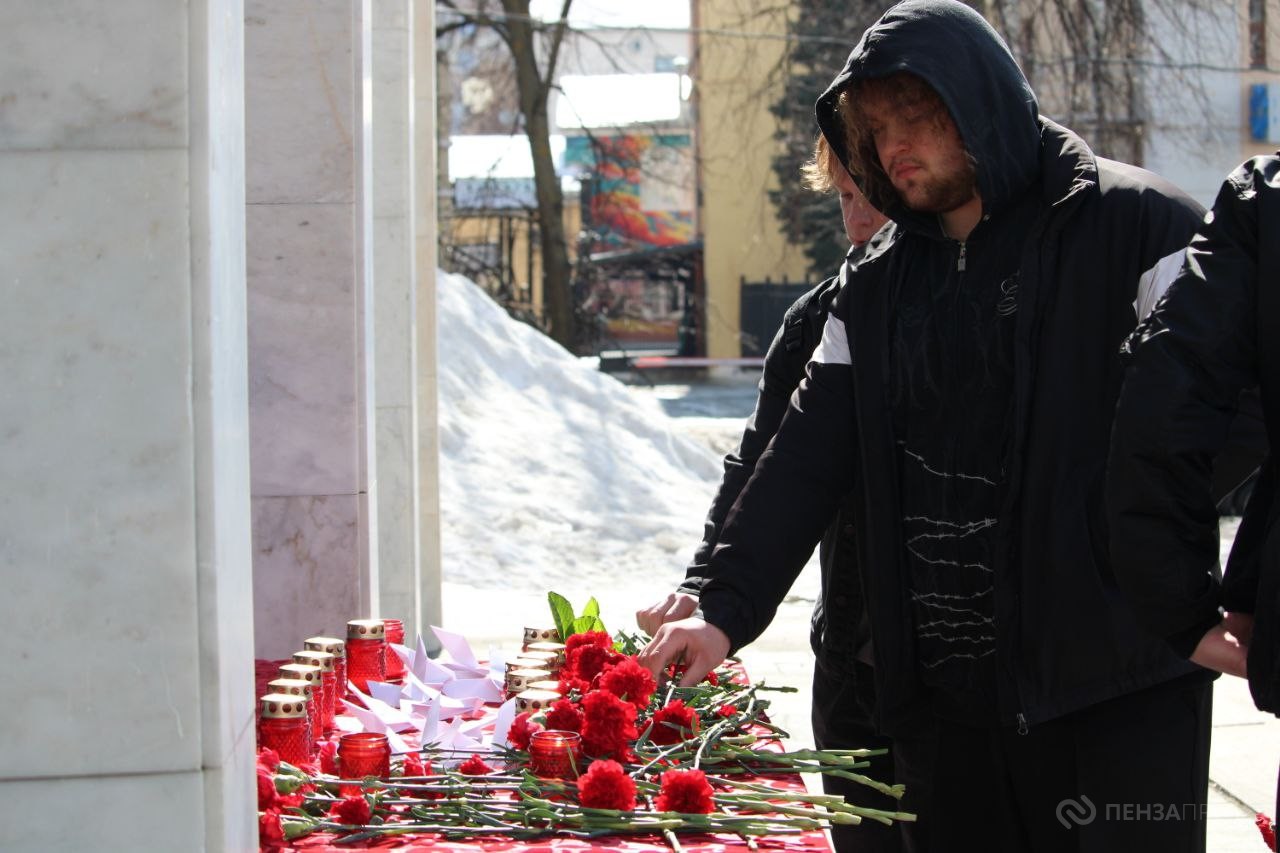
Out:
{"x": 954, "y": 50}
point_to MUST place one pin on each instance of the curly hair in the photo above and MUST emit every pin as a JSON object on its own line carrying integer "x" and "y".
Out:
{"x": 901, "y": 91}
{"x": 820, "y": 170}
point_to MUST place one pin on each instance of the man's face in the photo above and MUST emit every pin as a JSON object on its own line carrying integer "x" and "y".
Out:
{"x": 921, "y": 152}
{"x": 861, "y": 220}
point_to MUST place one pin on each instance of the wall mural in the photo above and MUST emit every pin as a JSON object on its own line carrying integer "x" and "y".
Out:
{"x": 643, "y": 189}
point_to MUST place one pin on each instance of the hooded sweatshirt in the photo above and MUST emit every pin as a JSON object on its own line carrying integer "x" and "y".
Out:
{"x": 961, "y": 398}
{"x": 951, "y": 354}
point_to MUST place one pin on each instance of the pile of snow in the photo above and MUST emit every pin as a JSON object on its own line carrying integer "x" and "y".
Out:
{"x": 554, "y": 476}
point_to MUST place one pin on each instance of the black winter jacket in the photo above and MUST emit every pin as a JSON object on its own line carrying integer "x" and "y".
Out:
{"x": 834, "y": 641}
{"x": 1065, "y": 638}
{"x": 1214, "y": 334}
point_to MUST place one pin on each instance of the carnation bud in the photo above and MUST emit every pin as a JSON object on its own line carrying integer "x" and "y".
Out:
{"x": 296, "y": 828}
{"x": 289, "y": 784}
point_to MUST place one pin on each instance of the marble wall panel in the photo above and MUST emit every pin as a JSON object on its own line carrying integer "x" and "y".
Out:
{"x": 105, "y": 814}
{"x": 397, "y": 505}
{"x": 394, "y": 306}
{"x": 93, "y": 75}
{"x": 392, "y": 116}
{"x": 230, "y": 797}
{"x": 220, "y": 394}
{"x": 300, "y": 110}
{"x": 305, "y": 570}
{"x": 302, "y": 340}
{"x": 422, "y": 22}
{"x": 95, "y": 421}
{"x": 391, "y": 14}
{"x": 368, "y": 574}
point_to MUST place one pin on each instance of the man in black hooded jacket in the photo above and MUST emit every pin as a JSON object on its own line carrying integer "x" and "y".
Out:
{"x": 962, "y": 396}
{"x": 843, "y": 707}
{"x": 1214, "y": 336}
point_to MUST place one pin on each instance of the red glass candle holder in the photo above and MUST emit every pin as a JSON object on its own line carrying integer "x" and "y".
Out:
{"x": 338, "y": 649}
{"x": 327, "y": 696}
{"x": 555, "y": 754}
{"x": 394, "y": 634}
{"x": 366, "y": 652}
{"x": 363, "y": 754}
{"x": 313, "y": 675}
{"x": 285, "y": 728}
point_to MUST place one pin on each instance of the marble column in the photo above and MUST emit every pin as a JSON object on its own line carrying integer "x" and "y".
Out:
{"x": 311, "y": 395}
{"x": 124, "y": 527}
{"x": 394, "y": 306}
{"x": 425, "y": 236}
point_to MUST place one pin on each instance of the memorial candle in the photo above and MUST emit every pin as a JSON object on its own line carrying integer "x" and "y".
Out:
{"x": 554, "y": 754}
{"x": 327, "y": 699}
{"x": 395, "y": 634}
{"x": 366, "y": 652}
{"x": 338, "y": 649}
{"x": 363, "y": 754}
{"x": 285, "y": 727}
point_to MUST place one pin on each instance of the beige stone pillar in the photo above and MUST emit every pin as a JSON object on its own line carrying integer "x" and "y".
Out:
{"x": 394, "y": 311}
{"x": 425, "y": 243}
{"x": 124, "y": 526}
{"x": 309, "y": 276}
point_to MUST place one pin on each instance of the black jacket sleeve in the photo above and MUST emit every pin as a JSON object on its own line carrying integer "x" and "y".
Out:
{"x": 1188, "y": 363}
{"x": 784, "y": 367}
{"x": 789, "y": 500}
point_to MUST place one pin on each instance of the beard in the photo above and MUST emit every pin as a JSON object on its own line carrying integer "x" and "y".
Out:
{"x": 930, "y": 193}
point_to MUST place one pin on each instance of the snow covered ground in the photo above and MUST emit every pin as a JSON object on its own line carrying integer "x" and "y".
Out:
{"x": 554, "y": 476}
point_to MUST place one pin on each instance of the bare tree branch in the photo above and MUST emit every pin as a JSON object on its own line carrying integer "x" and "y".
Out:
{"x": 557, "y": 37}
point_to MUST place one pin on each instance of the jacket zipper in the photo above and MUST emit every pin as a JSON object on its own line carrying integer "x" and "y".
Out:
{"x": 960, "y": 260}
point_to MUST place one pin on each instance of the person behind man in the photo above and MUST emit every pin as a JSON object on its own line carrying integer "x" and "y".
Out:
{"x": 1214, "y": 336}
{"x": 962, "y": 394}
{"x": 843, "y": 684}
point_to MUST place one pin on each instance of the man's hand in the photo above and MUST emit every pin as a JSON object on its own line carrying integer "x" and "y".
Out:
{"x": 700, "y": 645}
{"x": 1222, "y": 651}
{"x": 676, "y": 606}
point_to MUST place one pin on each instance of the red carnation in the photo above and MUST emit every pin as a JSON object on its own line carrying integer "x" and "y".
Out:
{"x": 608, "y": 725}
{"x": 351, "y": 810}
{"x": 413, "y": 765}
{"x": 329, "y": 758}
{"x": 268, "y": 796}
{"x": 588, "y": 662}
{"x": 270, "y": 832}
{"x": 521, "y": 730}
{"x": 629, "y": 680}
{"x": 600, "y": 639}
{"x": 570, "y": 685}
{"x": 1268, "y": 831}
{"x": 564, "y": 716}
{"x": 474, "y": 766}
{"x": 672, "y": 724}
{"x": 606, "y": 786}
{"x": 268, "y": 758}
{"x": 727, "y": 710}
{"x": 586, "y": 654}
{"x": 686, "y": 791}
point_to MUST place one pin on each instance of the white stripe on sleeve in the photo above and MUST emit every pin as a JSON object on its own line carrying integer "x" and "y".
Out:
{"x": 834, "y": 346}
{"x": 1155, "y": 281}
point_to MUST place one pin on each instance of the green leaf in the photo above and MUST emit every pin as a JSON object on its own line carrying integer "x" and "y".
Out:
{"x": 562, "y": 614}
{"x": 588, "y": 623}
{"x": 592, "y": 607}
